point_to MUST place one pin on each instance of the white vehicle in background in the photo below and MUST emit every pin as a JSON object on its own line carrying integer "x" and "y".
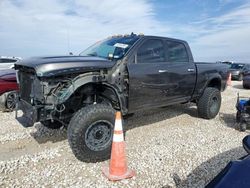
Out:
{"x": 8, "y": 62}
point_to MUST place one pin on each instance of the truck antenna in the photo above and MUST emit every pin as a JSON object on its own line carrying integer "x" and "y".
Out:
{"x": 68, "y": 41}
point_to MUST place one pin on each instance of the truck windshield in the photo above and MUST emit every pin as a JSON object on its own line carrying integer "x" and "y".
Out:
{"x": 114, "y": 47}
{"x": 237, "y": 66}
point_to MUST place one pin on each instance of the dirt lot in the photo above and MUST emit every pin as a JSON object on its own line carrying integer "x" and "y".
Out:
{"x": 168, "y": 147}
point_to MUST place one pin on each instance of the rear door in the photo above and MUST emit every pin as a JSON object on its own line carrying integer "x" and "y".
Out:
{"x": 157, "y": 77}
{"x": 181, "y": 72}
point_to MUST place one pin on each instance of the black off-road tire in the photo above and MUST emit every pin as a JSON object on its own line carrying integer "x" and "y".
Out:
{"x": 52, "y": 125}
{"x": 90, "y": 132}
{"x": 209, "y": 103}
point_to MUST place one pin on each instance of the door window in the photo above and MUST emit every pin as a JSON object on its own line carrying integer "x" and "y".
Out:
{"x": 151, "y": 51}
{"x": 176, "y": 52}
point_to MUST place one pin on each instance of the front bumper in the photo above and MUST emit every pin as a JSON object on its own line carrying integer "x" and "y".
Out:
{"x": 33, "y": 113}
{"x": 29, "y": 115}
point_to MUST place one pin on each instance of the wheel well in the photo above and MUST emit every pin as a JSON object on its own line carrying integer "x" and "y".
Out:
{"x": 216, "y": 82}
{"x": 90, "y": 93}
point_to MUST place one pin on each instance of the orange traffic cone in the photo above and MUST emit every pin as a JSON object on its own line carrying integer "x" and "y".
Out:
{"x": 118, "y": 168}
{"x": 229, "y": 83}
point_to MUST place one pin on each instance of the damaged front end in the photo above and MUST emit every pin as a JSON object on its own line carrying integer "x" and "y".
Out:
{"x": 58, "y": 98}
{"x": 54, "y": 88}
{"x": 39, "y": 98}
{"x": 50, "y": 98}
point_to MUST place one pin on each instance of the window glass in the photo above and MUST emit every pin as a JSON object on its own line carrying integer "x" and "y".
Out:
{"x": 176, "y": 52}
{"x": 151, "y": 51}
{"x": 115, "y": 46}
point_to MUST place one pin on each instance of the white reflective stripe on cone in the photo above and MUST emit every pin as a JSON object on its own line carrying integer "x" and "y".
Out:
{"x": 118, "y": 138}
{"x": 118, "y": 125}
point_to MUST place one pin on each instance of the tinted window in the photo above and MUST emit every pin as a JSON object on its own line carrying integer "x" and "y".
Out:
{"x": 237, "y": 66}
{"x": 176, "y": 52}
{"x": 7, "y": 60}
{"x": 151, "y": 51}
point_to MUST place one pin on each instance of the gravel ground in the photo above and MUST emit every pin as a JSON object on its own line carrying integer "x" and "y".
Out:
{"x": 167, "y": 147}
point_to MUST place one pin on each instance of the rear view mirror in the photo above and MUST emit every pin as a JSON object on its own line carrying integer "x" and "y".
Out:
{"x": 246, "y": 143}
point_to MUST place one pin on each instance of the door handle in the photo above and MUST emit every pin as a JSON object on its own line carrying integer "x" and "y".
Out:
{"x": 190, "y": 70}
{"x": 160, "y": 71}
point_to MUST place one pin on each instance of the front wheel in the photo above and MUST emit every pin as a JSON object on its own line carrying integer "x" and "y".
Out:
{"x": 209, "y": 103}
{"x": 90, "y": 132}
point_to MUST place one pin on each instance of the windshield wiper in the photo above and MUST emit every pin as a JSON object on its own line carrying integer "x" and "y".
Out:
{"x": 92, "y": 54}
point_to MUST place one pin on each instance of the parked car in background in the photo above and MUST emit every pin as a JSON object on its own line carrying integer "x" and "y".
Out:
{"x": 8, "y": 89}
{"x": 236, "y": 173}
{"x": 246, "y": 68}
{"x": 238, "y": 69}
{"x": 246, "y": 80}
{"x": 227, "y": 63}
{"x": 8, "y": 62}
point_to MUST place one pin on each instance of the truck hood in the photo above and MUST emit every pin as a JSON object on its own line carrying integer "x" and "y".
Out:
{"x": 61, "y": 65}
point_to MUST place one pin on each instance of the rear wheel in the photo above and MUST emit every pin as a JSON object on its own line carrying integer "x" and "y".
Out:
{"x": 209, "y": 103}
{"x": 90, "y": 132}
{"x": 52, "y": 125}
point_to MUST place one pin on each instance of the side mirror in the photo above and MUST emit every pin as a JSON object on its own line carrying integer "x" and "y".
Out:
{"x": 70, "y": 53}
{"x": 246, "y": 144}
{"x": 110, "y": 56}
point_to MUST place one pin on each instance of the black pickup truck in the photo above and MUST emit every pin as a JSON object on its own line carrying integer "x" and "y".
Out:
{"x": 121, "y": 73}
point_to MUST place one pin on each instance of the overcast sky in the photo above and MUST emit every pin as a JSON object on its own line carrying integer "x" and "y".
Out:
{"x": 215, "y": 29}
